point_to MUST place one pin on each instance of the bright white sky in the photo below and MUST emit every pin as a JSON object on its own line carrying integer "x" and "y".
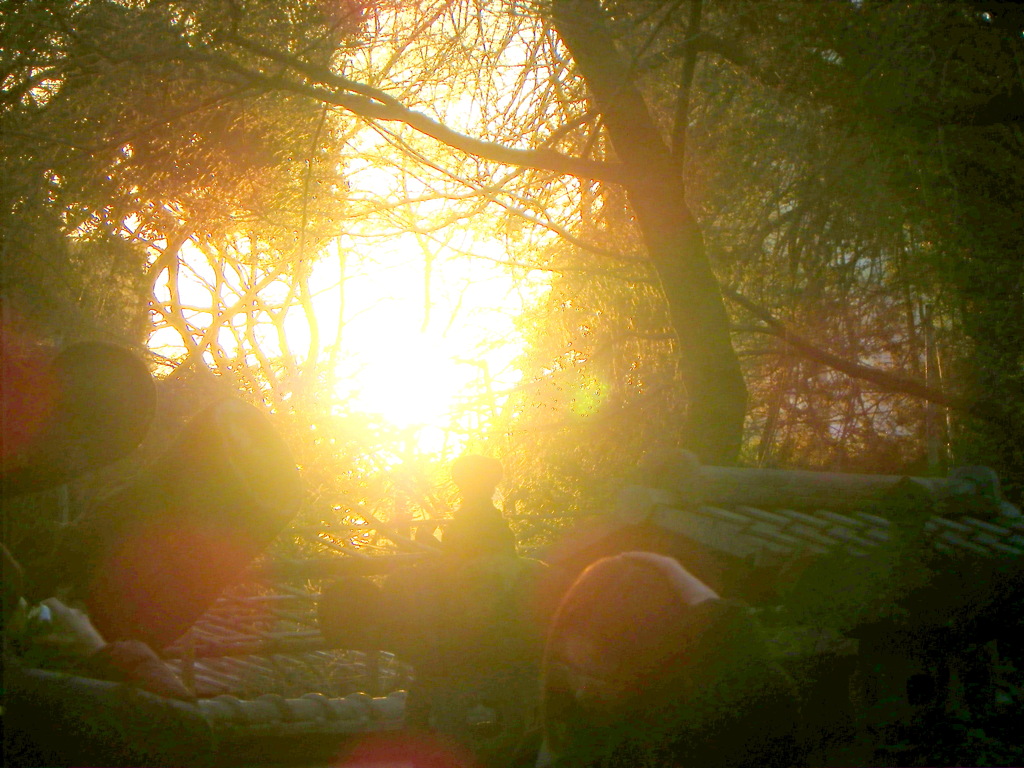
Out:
{"x": 421, "y": 367}
{"x": 414, "y": 363}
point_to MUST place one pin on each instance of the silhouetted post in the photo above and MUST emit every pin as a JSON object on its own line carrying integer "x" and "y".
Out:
{"x": 478, "y": 527}
{"x": 469, "y": 625}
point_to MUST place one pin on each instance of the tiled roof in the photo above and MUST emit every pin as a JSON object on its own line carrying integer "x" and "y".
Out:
{"x": 263, "y": 638}
{"x": 260, "y": 665}
{"x": 309, "y": 713}
{"x": 746, "y": 531}
{"x": 765, "y": 515}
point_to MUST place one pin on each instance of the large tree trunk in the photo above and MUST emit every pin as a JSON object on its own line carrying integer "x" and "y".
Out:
{"x": 715, "y": 388}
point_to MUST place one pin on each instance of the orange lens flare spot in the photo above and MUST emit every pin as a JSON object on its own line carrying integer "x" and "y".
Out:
{"x": 160, "y": 578}
{"x": 405, "y": 750}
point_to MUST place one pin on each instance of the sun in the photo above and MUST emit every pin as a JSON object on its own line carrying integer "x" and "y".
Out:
{"x": 420, "y": 337}
{"x": 424, "y": 344}
{"x": 427, "y": 348}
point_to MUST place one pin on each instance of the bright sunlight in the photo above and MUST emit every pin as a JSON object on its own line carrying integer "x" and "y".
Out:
{"x": 420, "y": 337}
{"x": 408, "y": 314}
{"x": 427, "y": 341}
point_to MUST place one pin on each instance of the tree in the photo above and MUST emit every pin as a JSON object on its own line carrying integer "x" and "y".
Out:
{"x": 714, "y": 383}
{"x": 891, "y": 108}
{"x": 803, "y": 155}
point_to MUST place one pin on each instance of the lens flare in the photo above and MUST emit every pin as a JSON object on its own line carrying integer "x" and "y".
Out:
{"x": 405, "y": 750}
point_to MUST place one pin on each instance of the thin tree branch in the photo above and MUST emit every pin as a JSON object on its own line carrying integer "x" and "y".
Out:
{"x": 682, "y": 114}
{"x": 391, "y": 110}
{"x": 884, "y": 380}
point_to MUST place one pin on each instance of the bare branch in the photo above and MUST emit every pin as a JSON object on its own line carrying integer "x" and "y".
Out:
{"x": 884, "y": 380}
{"x": 339, "y": 93}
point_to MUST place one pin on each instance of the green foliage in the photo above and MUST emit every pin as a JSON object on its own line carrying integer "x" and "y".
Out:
{"x": 138, "y": 115}
{"x": 602, "y": 367}
{"x": 855, "y": 168}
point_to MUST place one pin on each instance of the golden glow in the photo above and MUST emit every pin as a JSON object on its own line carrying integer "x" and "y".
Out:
{"x": 421, "y": 342}
{"x": 427, "y": 349}
{"x": 589, "y": 396}
{"x": 411, "y": 314}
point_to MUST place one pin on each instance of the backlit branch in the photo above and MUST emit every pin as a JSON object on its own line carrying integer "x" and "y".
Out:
{"x": 373, "y": 104}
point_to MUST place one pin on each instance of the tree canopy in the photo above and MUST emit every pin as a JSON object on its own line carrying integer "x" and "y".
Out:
{"x": 775, "y": 232}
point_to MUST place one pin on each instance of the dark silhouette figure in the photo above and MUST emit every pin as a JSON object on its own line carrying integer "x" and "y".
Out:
{"x": 68, "y": 412}
{"x": 478, "y": 527}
